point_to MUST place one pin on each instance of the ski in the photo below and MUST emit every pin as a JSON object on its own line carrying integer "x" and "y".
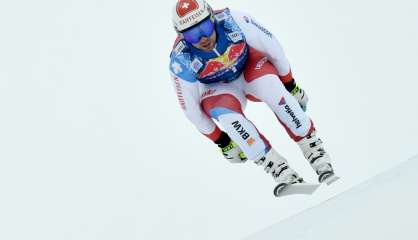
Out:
{"x": 295, "y": 189}
{"x": 304, "y": 188}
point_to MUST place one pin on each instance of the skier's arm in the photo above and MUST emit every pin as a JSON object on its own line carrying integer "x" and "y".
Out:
{"x": 189, "y": 100}
{"x": 259, "y": 38}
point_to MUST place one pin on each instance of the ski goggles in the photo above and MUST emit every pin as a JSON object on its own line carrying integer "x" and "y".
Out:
{"x": 203, "y": 29}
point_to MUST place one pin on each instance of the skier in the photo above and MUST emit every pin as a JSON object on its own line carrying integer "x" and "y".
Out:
{"x": 222, "y": 58}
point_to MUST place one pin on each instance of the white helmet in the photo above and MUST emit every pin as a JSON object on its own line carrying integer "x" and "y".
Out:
{"x": 187, "y": 13}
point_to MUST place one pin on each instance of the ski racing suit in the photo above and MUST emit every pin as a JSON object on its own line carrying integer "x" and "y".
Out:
{"x": 247, "y": 62}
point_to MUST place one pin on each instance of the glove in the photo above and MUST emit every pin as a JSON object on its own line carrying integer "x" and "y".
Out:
{"x": 300, "y": 96}
{"x": 233, "y": 153}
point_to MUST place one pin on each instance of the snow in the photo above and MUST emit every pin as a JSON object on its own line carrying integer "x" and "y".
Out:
{"x": 383, "y": 207}
{"x": 94, "y": 146}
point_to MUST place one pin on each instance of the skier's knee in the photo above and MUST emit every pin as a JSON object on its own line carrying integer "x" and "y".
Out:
{"x": 299, "y": 135}
{"x": 215, "y": 106}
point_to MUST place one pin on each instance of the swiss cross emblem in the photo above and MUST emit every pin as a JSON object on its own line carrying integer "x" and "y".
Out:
{"x": 176, "y": 68}
{"x": 186, "y": 6}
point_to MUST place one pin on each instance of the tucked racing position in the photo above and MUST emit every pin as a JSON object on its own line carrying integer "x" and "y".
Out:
{"x": 220, "y": 60}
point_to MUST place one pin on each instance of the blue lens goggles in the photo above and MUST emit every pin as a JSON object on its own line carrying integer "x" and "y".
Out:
{"x": 203, "y": 29}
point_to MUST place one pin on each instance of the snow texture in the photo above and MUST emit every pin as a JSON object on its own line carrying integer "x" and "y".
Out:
{"x": 383, "y": 207}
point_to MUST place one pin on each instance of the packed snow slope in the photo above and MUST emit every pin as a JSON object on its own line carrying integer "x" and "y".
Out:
{"x": 384, "y": 207}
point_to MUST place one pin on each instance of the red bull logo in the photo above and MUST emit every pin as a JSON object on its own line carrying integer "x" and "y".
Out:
{"x": 225, "y": 61}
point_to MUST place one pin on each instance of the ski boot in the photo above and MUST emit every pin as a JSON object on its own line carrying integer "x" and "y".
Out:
{"x": 277, "y": 165}
{"x": 233, "y": 153}
{"x": 300, "y": 96}
{"x": 318, "y": 158}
